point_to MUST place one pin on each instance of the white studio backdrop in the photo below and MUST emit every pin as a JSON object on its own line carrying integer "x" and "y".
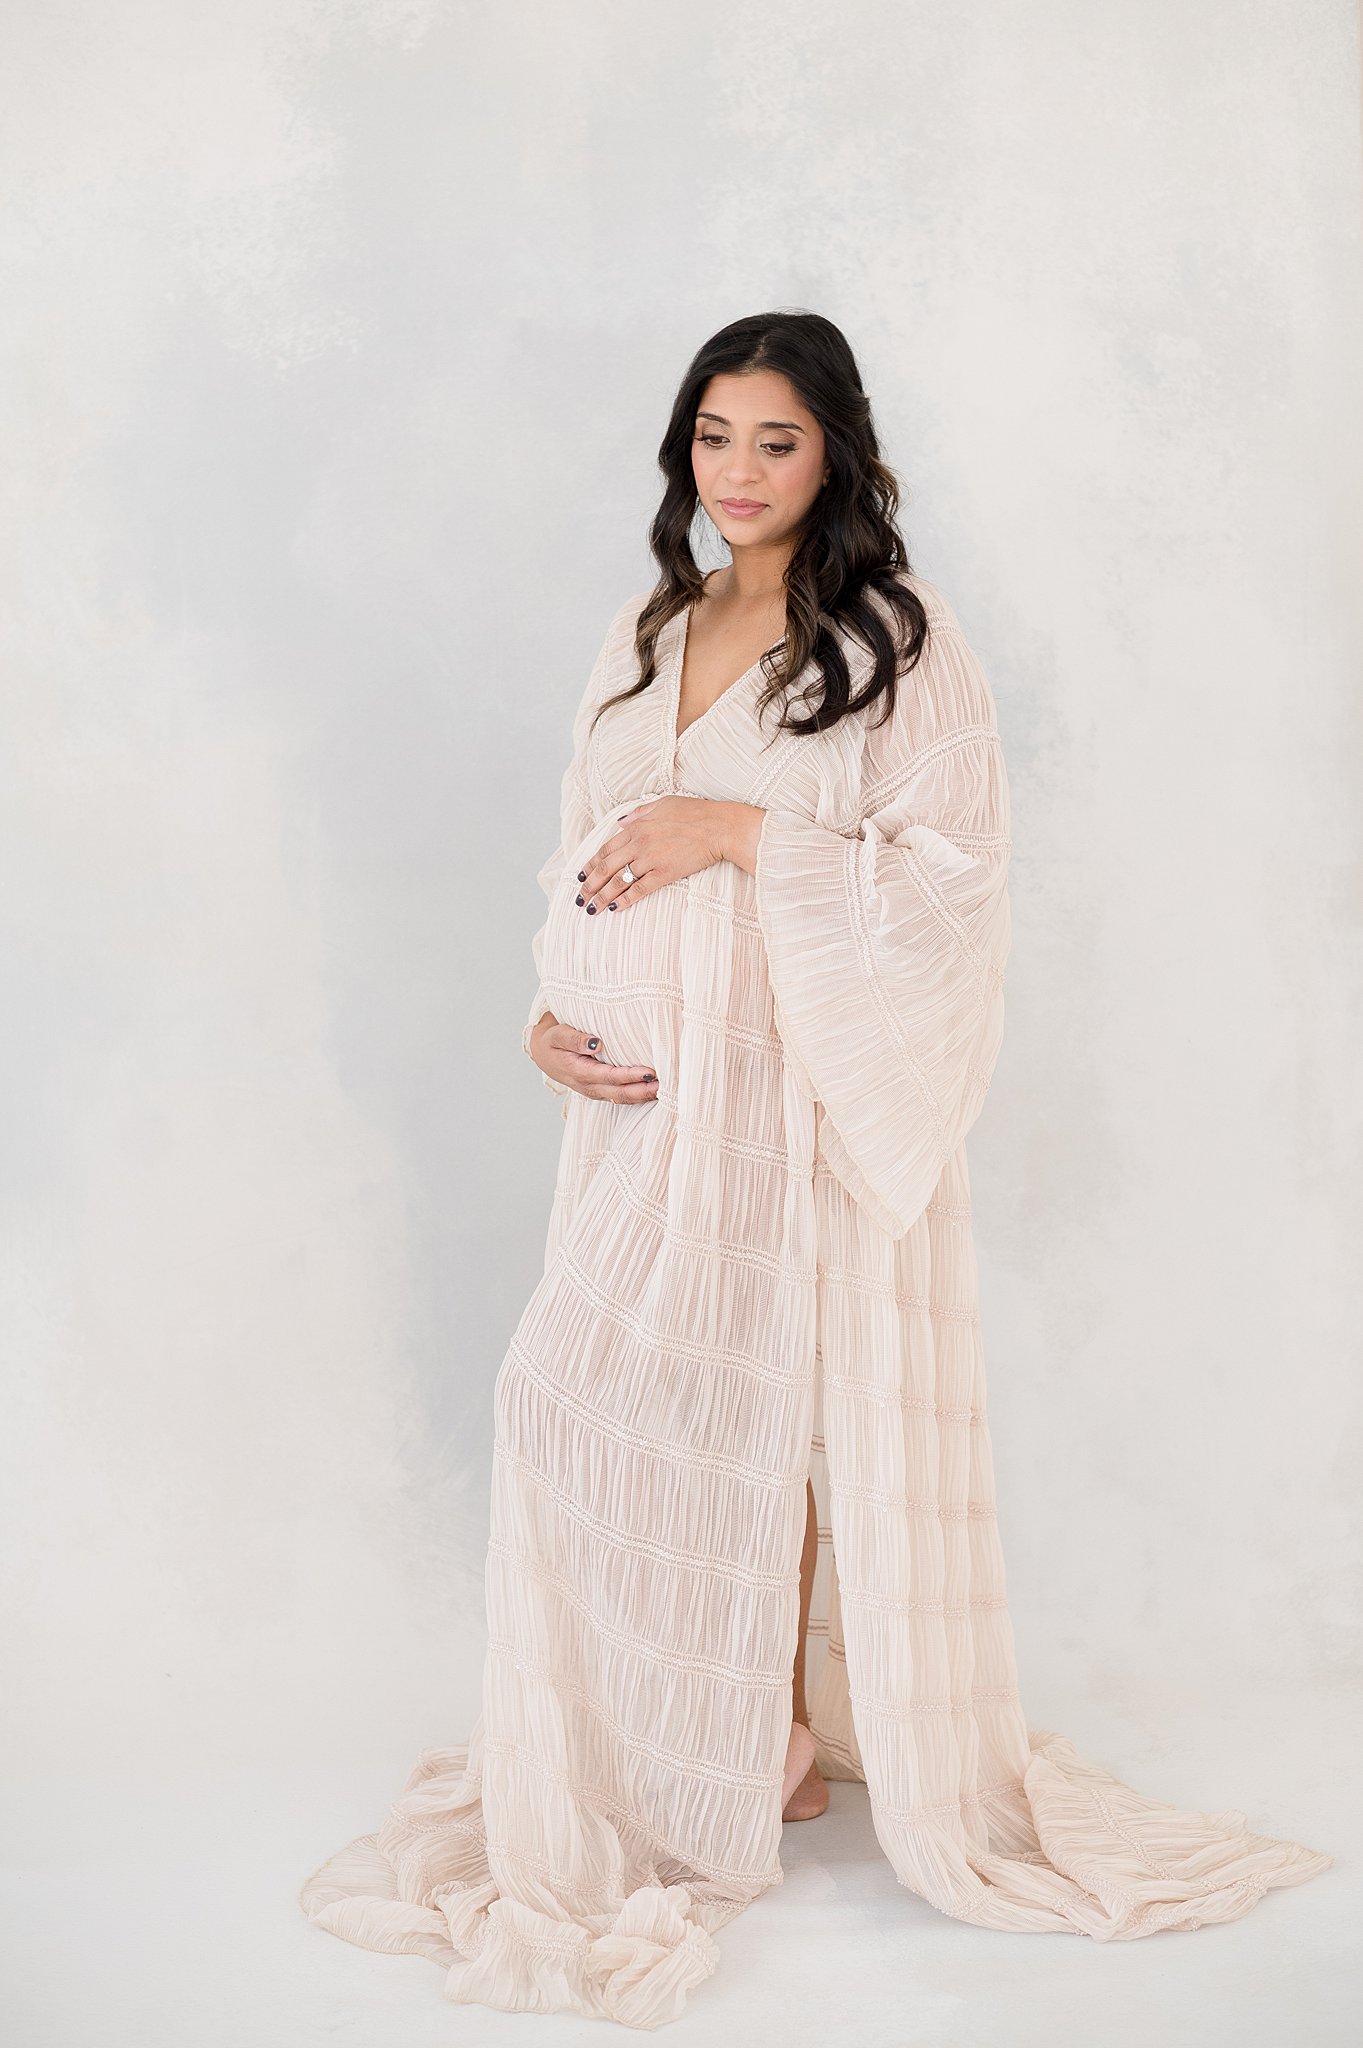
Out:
{"x": 340, "y": 335}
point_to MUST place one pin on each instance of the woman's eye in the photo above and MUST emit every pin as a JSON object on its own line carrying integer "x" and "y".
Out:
{"x": 768, "y": 447}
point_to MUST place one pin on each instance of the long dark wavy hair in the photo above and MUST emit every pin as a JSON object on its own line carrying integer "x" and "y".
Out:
{"x": 846, "y": 572}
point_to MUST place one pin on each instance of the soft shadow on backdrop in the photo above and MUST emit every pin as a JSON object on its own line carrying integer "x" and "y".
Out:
{"x": 341, "y": 338}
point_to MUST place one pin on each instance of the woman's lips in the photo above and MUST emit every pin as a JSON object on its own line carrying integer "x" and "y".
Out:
{"x": 742, "y": 508}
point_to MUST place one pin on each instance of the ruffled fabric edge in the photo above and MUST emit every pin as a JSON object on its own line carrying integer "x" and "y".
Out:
{"x": 388, "y": 1891}
{"x": 1104, "y": 1860}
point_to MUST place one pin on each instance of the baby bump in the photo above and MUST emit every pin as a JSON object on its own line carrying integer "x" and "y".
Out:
{"x": 616, "y": 972}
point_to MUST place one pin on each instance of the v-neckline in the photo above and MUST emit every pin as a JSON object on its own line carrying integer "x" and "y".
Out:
{"x": 678, "y": 665}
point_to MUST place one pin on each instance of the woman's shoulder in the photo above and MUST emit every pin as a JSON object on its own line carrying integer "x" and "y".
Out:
{"x": 626, "y": 615}
{"x": 945, "y": 692}
{"x": 943, "y": 626}
{"x": 615, "y": 659}
{"x": 940, "y": 612}
{"x": 948, "y": 659}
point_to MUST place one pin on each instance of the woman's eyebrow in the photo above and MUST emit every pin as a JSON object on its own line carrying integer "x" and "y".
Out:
{"x": 761, "y": 423}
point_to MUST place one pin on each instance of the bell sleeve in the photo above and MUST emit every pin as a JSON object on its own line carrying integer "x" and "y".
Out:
{"x": 886, "y": 944}
{"x": 576, "y": 815}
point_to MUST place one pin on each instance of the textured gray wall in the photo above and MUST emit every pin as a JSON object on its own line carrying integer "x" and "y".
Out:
{"x": 341, "y": 337}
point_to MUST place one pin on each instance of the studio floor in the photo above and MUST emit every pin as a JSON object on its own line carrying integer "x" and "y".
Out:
{"x": 137, "y": 1915}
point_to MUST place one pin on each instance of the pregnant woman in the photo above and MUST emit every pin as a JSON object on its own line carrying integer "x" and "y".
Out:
{"x": 770, "y": 997}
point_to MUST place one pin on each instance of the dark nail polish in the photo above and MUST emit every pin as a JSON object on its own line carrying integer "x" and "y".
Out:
{"x": 592, "y": 1044}
{"x": 591, "y": 910}
{"x": 612, "y": 906}
{"x": 650, "y": 1077}
{"x": 578, "y": 899}
{"x": 582, "y": 874}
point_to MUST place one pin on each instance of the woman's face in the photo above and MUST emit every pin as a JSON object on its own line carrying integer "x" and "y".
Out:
{"x": 758, "y": 458}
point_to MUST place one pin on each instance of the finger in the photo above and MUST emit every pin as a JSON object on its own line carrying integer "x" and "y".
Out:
{"x": 611, "y": 890}
{"x": 578, "y": 1056}
{"x": 616, "y": 853}
{"x": 614, "y": 889}
{"x": 634, "y": 1091}
{"x": 606, "y": 1074}
{"x": 608, "y": 856}
{"x": 645, "y": 886}
{"x": 566, "y": 1039}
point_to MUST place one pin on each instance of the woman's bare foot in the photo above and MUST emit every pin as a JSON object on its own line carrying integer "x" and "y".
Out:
{"x": 809, "y": 1799}
{"x": 803, "y": 1792}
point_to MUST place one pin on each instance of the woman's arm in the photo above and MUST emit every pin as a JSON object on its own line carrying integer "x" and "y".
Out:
{"x": 886, "y": 947}
{"x": 739, "y": 829}
{"x": 663, "y": 841}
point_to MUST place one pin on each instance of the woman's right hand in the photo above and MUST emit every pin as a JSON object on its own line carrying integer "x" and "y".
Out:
{"x": 574, "y": 1058}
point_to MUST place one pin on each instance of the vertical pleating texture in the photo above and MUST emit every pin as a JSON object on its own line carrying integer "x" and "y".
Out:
{"x": 886, "y": 945}
{"x": 767, "y": 1273}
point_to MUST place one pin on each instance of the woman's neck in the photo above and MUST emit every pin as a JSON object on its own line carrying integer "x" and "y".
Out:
{"x": 755, "y": 576}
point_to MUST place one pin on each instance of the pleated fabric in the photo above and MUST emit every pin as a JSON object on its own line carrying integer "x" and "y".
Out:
{"x": 765, "y": 1274}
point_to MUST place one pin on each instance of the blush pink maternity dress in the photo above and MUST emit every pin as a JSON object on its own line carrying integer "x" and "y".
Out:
{"x": 767, "y": 1273}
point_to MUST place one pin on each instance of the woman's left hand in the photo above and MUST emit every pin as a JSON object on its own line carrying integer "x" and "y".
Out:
{"x": 663, "y": 841}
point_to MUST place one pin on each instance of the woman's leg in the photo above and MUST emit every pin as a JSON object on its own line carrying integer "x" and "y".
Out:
{"x": 809, "y": 1557}
{"x": 807, "y": 1797}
